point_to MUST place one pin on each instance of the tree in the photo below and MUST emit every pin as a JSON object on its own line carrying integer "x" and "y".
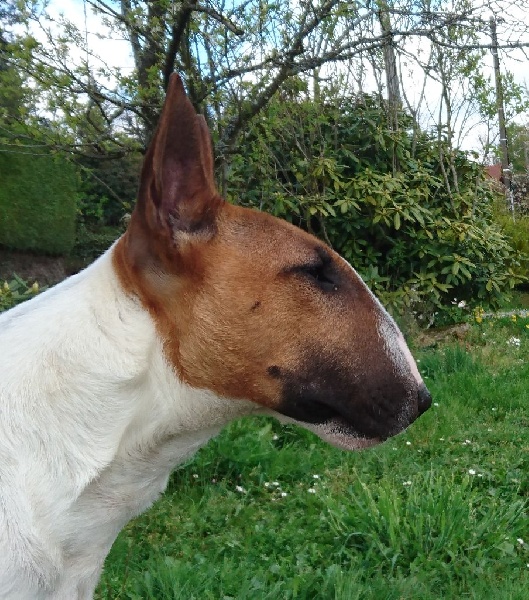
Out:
{"x": 234, "y": 56}
{"x": 518, "y": 136}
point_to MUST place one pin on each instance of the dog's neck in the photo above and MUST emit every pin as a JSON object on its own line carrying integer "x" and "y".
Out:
{"x": 98, "y": 355}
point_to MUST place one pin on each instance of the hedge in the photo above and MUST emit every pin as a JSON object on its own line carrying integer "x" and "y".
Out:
{"x": 37, "y": 202}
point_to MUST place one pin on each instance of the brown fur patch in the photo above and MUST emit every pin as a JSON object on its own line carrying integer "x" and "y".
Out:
{"x": 202, "y": 305}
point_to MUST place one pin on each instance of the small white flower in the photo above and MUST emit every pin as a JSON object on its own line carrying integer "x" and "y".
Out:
{"x": 283, "y": 494}
{"x": 195, "y": 476}
{"x": 436, "y": 403}
{"x": 494, "y": 409}
{"x": 240, "y": 489}
{"x": 311, "y": 491}
{"x": 520, "y": 541}
{"x": 441, "y": 439}
{"x": 275, "y": 437}
{"x": 471, "y": 472}
{"x": 394, "y": 448}
{"x": 480, "y": 474}
{"x": 276, "y": 483}
{"x": 267, "y": 484}
{"x": 406, "y": 483}
{"x": 461, "y": 304}
{"x": 514, "y": 341}
{"x": 315, "y": 476}
{"x": 408, "y": 443}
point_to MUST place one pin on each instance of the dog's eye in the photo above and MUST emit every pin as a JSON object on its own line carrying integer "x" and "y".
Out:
{"x": 320, "y": 274}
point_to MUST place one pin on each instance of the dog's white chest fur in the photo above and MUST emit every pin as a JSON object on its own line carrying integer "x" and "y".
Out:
{"x": 92, "y": 421}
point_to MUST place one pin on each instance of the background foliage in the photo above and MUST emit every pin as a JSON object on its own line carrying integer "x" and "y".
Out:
{"x": 37, "y": 202}
{"x": 412, "y": 215}
{"x": 295, "y": 134}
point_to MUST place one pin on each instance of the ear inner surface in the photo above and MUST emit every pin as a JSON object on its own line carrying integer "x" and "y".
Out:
{"x": 177, "y": 178}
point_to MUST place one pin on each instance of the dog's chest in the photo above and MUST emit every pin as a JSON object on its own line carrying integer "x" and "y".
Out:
{"x": 127, "y": 487}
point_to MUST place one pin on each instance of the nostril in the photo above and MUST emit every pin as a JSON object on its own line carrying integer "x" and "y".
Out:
{"x": 424, "y": 399}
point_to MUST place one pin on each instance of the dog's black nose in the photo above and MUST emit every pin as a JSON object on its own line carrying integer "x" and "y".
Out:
{"x": 424, "y": 400}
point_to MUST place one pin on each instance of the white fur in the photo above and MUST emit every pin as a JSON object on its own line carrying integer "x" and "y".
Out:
{"x": 391, "y": 337}
{"x": 92, "y": 421}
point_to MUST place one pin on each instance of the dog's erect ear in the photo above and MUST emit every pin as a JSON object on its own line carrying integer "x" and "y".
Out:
{"x": 177, "y": 189}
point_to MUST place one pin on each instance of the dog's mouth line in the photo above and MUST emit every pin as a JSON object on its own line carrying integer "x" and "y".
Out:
{"x": 339, "y": 430}
{"x": 341, "y": 434}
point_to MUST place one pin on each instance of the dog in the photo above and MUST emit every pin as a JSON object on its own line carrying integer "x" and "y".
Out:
{"x": 200, "y": 313}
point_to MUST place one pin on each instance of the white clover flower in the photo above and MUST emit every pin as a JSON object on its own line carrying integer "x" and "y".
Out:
{"x": 240, "y": 489}
{"x": 408, "y": 443}
{"x": 276, "y": 483}
{"x": 520, "y": 541}
{"x": 514, "y": 341}
{"x": 311, "y": 491}
{"x": 283, "y": 494}
{"x": 275, "y": 437}
{"x": 471, "y": 472}
{"x": 267, "y": 484}
{"x": 436, "y": 403}
{"x": 195, "y": 476}
{"x": 315, "y": 476}
{"x": 406, "y": 482}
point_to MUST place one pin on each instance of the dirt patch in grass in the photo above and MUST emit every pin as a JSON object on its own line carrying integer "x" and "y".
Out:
{"x": 438, "y": 335}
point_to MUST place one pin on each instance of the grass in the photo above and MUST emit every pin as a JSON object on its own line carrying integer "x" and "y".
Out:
{"x": 441, "y": 511}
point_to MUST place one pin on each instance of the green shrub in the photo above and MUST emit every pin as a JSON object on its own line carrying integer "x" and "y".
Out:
{"x": 90, "y": 243}
{"x": 517, "y": 232}
{"x": 16, "y": 291}
{"x": 413, "y": 216}
{"x": 37, "y": 203}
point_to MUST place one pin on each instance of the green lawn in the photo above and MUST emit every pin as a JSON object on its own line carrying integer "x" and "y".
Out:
{"x": 441, "y": 511}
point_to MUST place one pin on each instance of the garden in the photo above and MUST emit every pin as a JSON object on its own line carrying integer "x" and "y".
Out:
{"x": 301, "y": 131}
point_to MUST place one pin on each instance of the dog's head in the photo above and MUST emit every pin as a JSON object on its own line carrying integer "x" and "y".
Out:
{"x": 251, "y": 307}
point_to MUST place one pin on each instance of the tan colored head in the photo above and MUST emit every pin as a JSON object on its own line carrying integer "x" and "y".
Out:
{"x": 251, "y": 307}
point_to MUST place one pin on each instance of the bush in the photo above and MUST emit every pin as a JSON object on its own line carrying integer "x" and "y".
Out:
{"x": 412, "y": 215}
{"x": 91, "y": 243}
{"x": 37, "y": 203}
{"x": 517, "y": 232}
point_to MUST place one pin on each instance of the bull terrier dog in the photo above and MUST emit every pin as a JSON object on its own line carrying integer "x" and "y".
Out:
{"x": 200, "y": 313}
